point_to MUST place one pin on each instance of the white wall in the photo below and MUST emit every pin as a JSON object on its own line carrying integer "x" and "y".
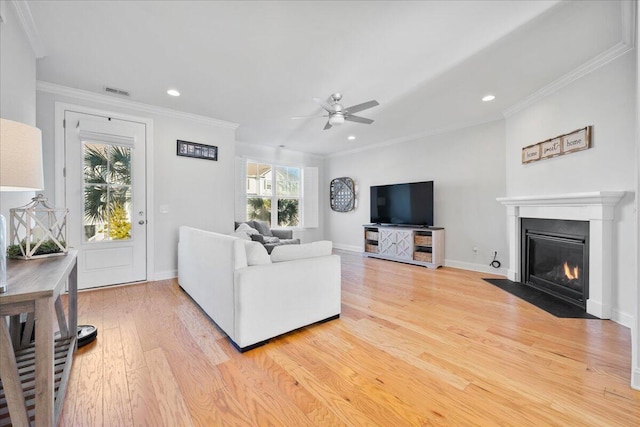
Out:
{"x": 635, "y": 329}
{"x": 197, "y": 192}
{"x": 17, "y": 88}
{"x": 604, "y": 99}
{"x": 284, "y": 157}
{"x": 468, "y": 170}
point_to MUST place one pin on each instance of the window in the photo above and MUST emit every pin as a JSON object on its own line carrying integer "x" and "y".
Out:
{"x": 107, "y": 192}
{"x": 262, "y": 179}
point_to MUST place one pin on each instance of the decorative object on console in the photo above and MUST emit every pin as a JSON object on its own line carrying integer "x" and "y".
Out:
{"x": 198, "y": 151}
{"x": 38, "y": 230}
{"x": 20, "y": 170}
{"x": 578, "y": 140}
{"x": 342, "y": 194}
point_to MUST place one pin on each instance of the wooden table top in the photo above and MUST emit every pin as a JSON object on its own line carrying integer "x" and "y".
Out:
{"x": 37, "y": 278}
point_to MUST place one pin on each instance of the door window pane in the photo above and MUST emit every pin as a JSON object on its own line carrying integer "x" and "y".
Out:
{"x": 107, "y": 192}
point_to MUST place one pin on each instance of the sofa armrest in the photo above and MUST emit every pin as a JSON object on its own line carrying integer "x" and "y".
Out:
{"x": 282, "y": 234}
{"x": 206, "y": 265}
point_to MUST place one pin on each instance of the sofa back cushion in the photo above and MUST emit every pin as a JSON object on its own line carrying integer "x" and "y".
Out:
{"x": 256, "y": 253}
{"x": 262, "y": 227}
{"x": 307, "y": 250}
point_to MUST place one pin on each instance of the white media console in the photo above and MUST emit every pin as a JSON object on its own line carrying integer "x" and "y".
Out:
{"x": 413, "y": 245}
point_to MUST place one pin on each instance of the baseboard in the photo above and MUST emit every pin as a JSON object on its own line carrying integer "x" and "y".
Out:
{"x": 622, "y": 318}
{"x": 165, "y": 275}
{"x": 348, "y": 248}
{"x": 635, "y": 378}
{"x": 475, "y": 267}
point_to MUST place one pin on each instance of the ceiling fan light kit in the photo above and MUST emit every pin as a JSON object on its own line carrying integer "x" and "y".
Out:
{"x": 336, "y": 119}
{"x": 338, "y": 114}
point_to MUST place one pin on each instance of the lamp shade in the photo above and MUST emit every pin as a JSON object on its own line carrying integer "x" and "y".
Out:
{"x": 20, "y": 157}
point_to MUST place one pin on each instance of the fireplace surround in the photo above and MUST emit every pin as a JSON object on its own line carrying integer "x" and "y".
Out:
{"x": 597, "y": 208}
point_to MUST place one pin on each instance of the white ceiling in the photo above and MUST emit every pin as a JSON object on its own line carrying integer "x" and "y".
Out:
{"x": 260, "y": 63}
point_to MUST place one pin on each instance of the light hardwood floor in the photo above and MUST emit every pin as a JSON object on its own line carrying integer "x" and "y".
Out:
{"x": 412, "y": 347}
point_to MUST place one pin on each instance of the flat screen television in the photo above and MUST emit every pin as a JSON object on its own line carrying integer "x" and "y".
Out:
{"x": 409, "y": 204}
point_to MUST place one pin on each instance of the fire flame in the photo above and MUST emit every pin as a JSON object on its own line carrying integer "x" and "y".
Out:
{"x": 571, "y": 273}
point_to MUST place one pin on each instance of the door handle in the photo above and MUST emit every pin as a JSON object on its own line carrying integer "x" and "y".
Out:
{"x": 142, "y": 222}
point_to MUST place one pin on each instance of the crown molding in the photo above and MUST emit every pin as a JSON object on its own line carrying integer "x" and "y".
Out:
{"x": 628, "y": 28}
{"x": 29, "y": 26}
{"x": 124, "y": 103}
{"x": 249, "y": 146}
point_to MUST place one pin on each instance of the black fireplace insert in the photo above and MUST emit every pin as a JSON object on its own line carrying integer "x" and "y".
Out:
{"x": 555, "y": 258}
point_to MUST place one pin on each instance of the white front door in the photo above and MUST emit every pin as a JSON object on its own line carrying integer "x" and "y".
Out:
{"x": 105, "y": 192}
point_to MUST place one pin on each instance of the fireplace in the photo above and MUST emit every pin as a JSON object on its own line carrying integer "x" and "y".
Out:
{"x": 555, "y": 258}
{"x": 598, "y": 209}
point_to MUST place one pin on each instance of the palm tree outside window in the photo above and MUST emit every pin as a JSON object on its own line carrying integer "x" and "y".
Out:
{"x": 107, "y": 192}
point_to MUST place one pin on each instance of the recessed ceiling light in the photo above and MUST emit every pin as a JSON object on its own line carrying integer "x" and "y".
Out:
{"x": 173, "y": 92}
{"x": 351, "y": 137}
{"x": 489, "y": 98}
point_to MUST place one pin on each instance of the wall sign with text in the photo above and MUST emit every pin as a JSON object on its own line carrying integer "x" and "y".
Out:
{"x": 199, "y": 151}
{"x": 577, "y": 140}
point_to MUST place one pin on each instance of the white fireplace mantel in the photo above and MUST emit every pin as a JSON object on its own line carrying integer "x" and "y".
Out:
{"x": 596, "y": 207}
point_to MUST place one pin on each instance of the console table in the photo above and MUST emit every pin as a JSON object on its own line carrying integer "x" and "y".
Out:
{"x": 34, "y": 375}
{"x": 413, "y": 245}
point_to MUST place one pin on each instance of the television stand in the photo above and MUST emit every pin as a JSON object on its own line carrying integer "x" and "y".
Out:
{"x": 409, "y": 244}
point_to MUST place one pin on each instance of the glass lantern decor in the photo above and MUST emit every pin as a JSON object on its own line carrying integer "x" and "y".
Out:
{"x": 38, "y": 230}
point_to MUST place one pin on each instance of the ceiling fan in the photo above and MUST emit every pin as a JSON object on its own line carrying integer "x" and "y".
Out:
{"x": 338, "y": 114}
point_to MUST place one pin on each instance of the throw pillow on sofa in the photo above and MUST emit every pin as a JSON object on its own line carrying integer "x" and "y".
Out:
{"x": 245, "y": 232}
{"x": 256, "y": 254}
{"x": 307, "y": 250}
{"x": 262, "y": 227}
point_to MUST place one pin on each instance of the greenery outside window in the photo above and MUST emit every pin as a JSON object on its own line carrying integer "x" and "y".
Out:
{"x": 262, "y": 179}
{"x": 107, "y": 192}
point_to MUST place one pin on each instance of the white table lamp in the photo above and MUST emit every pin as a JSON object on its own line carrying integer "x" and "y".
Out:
{"x": 20, "y": 170}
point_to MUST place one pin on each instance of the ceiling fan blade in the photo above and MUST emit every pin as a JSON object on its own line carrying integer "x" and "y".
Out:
{"x": 327, "y": 126}
{"x": 358, "y": 119}
{"x": 361, "y": 107}
{"x": 324, "y": 105}
{"x": 315, "y": 116}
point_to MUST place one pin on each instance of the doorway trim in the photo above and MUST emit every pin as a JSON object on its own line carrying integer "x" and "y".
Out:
{"x": 59, "y": 164}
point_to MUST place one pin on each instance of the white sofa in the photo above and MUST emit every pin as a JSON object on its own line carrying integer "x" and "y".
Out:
{"x": 253, "y": 303}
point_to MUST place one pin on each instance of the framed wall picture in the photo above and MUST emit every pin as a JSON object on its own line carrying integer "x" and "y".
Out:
{"x": 195, "y": 150}
{"x": 578, "y": 140}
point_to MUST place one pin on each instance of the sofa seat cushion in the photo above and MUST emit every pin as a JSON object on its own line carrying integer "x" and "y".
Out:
{"x": 265, "y": 240}
{"x": 308, "y": 250}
